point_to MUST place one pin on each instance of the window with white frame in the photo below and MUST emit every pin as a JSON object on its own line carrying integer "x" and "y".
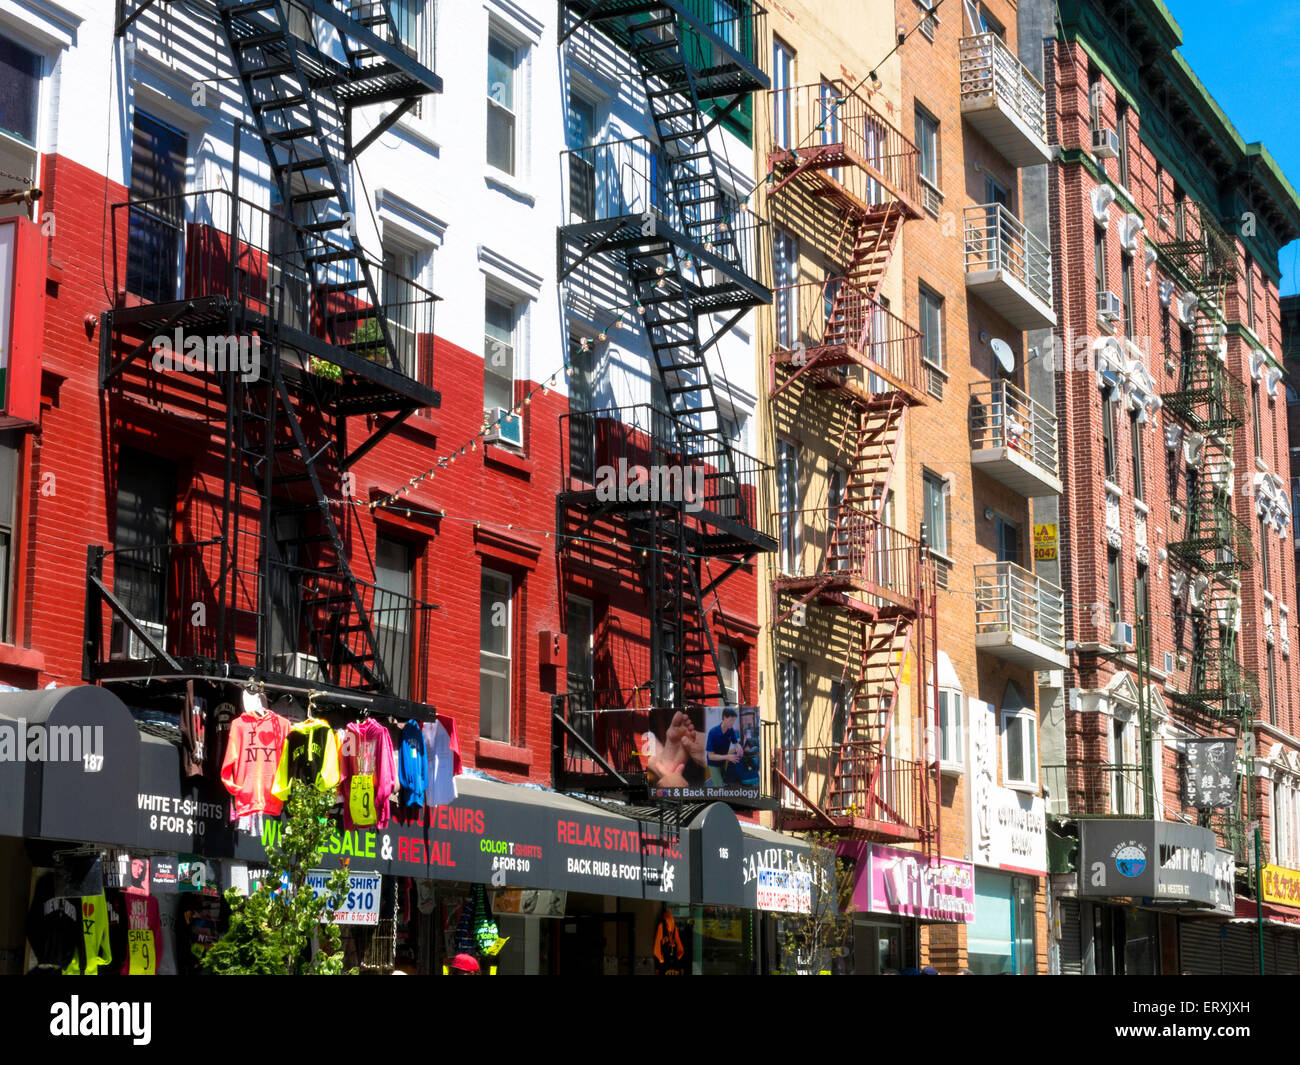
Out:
{"x": 155, "y": 240}
{"x": 415, "y": 24}
{"x": 952, "y": 707}
{"x": 495, "y": 643}
{"x": 729, "y": 667}
{"x": 505, "y": 118}
{"x": 936, "y": 511}
{"x": 791, "y": 720}
{"x": 1019, "y": 743}
{"x": 20, "y": 97}
{"x": 785, "y": 258}
{"x": 1125, "y": 762}
{"x": 501, "y": 328}
{"x": 1285, "y": 841}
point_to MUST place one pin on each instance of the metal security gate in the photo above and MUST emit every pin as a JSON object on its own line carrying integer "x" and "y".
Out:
{"x": 1071, "y": 939}
{"x": 1200, "y": 947}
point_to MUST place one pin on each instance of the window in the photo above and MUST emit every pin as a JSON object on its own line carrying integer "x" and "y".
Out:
{"x": 502, "y": 104}
{"x": 1019, "y": 748}
{"x": 1006, "y": 536}
{"x": 931, "y": 321}
{"x": 1135, "y": 438}
{"x": 1099, "y": 256}
{"x": 929, "y": 21}
{"x": 1125, "y": 774}
{"x": 1250, "y": 292}
{"x": 1001, "y": 939}
{"x": 1126, "y": 283}
{"x": 1121, "y": 131}
{"x": 579, "y": 628}
{"x": 790, "y": 532}
{"x": 729, "y": 667}
{"x": 20, "y": 90}
{"x": 785, "y": 260}
{"x": 1096, "y": 97}
{"x": 1144, "y": 609}
{"x": 581, "y": 136}
{"x": 782, "y": 83}
{"x": 951, "y": 748}
{"x": 936, "y": 512}
{"x": 1284, "y": 844}
{"x": 10, "y": 449}
{"x": 927, "y": 141}
{"x": 1271, "y": 666}
{"x": 495, "y": 643}
{"x": 1112, "y": 583}
{"x": 1109, "y": 451}
{"x": 791, "y": 721}
{"x": 393, "y": 617}
{"x": 1264, "y": 574}
{"x": 1254, "y": 419}
{"x": 839, "y": 714}
{"x": 400, "y": 299}
{"x": 499, "y": 328}
{"x": 155, "y": 239}
{"x": 146, "y": 502}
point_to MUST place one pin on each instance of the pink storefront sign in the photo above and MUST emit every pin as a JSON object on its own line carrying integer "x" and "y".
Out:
{"x": 908, "y": 884}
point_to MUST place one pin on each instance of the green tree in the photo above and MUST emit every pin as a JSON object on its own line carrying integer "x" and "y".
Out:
{"x": 272, "y": 930}
{"x": 810, "y": 942}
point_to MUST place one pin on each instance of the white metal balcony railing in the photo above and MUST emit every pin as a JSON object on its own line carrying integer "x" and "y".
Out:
{"x": 1002, "y": 416}
{"x": 1011, "y": 600}
{"x": 997, "y": 241}
{"x": 990, "y": 70}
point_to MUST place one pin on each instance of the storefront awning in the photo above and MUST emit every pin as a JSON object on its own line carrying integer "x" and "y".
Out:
{"x": 1166, "y": 861}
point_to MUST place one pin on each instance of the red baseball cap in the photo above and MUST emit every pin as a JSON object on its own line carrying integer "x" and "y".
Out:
{"x": 466, "y": 963}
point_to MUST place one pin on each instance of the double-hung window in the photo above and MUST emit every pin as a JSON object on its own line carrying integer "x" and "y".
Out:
{"x": 156, "y": 231}
{"x": 495, "y": 644}
{"x": 1019, "y": 748}
{"x": 394, "y": 612}
{"x": 782, "y": 90}
{"x": 500, "y": 328}
{"x": 927, "y": 141}
{"x": 936, "y": 512}
{"x": 503, "y": 99}
{"x": 20, "y": 95}
{"x": 785, "y": 257}
{"x": 951, "y": 748}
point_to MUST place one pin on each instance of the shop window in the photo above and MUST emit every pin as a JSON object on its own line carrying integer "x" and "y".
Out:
{"x": 1001, "y": 939}
{"x": 495, "y": 645}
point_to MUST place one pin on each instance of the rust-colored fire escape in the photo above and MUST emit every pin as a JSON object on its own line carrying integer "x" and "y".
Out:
{"x": 835, "y": 158}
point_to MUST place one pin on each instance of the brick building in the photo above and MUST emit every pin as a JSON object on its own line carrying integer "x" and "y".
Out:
{"x": 1179, "y": 581}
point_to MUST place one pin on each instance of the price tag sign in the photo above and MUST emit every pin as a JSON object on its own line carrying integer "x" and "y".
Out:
{"x": 360, "y": 905}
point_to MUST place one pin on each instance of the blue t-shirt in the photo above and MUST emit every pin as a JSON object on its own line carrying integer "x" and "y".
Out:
{"x": 720, "y": 742}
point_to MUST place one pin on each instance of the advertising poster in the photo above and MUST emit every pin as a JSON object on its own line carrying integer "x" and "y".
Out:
{"x": 361, "y": 904}
{"x": 711, "y": 752}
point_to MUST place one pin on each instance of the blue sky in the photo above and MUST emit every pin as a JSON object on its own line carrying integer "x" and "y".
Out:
{"x": 1247, "y": 53}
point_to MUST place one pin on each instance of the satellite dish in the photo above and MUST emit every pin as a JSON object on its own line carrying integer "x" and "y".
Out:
{"x": 1005, "y": 356}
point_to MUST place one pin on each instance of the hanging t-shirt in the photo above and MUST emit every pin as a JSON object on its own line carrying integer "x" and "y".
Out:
{"x": 223, "y": 716}
{"x": 311, "y": 755}
{"x": 143, "y": 936}
{"x": 441, "y": 763}
{"x": 194, "y": 732}
{"x": 252, "y": 757}
{"x": 366, "y": 764}
{"x": 94, "y": 931}
{"x": 412, "y": 765}
{"x": 54, "y": 926}
{"x": 167, "y": 907}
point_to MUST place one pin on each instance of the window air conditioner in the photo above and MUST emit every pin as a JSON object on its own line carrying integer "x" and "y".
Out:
{"x": 1123, "y": 636}
{"x": 1109, "y": 307}
{"x": 505, "y": 427}
{"x": 127, "y": 646}
{"x": 1105, "y": 144}
{"x": 299, "y": 664}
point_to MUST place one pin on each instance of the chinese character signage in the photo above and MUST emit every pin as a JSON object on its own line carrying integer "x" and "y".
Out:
{"x": 1281, "y": 886}
{"x": 1210, "y": 779}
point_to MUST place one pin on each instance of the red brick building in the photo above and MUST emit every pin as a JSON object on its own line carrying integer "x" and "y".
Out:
{"x": 1179, "y": 578}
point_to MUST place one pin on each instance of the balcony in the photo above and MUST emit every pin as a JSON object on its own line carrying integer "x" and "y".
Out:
{"x": 1013, "y": 439}
{"x": 1019, "y": 617}
{"x": 846, "y": 558}
{"x": 634, "y": 202}
{"x": 207, "y": 263}
{"x": 837, "y": 338}
{"x": 1008, "y": 267}
{"x": 1003, "y": 101}
{"x": 849, "y": 154}
{"x": 636, "y": 461}
{"x": 853, "y": 789}
{"x": 296, "y": 622}
{"x": 1094, "y": 789}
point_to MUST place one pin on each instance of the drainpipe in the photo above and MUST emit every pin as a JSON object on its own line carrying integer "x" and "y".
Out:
{"x": 1259, "y": 893}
